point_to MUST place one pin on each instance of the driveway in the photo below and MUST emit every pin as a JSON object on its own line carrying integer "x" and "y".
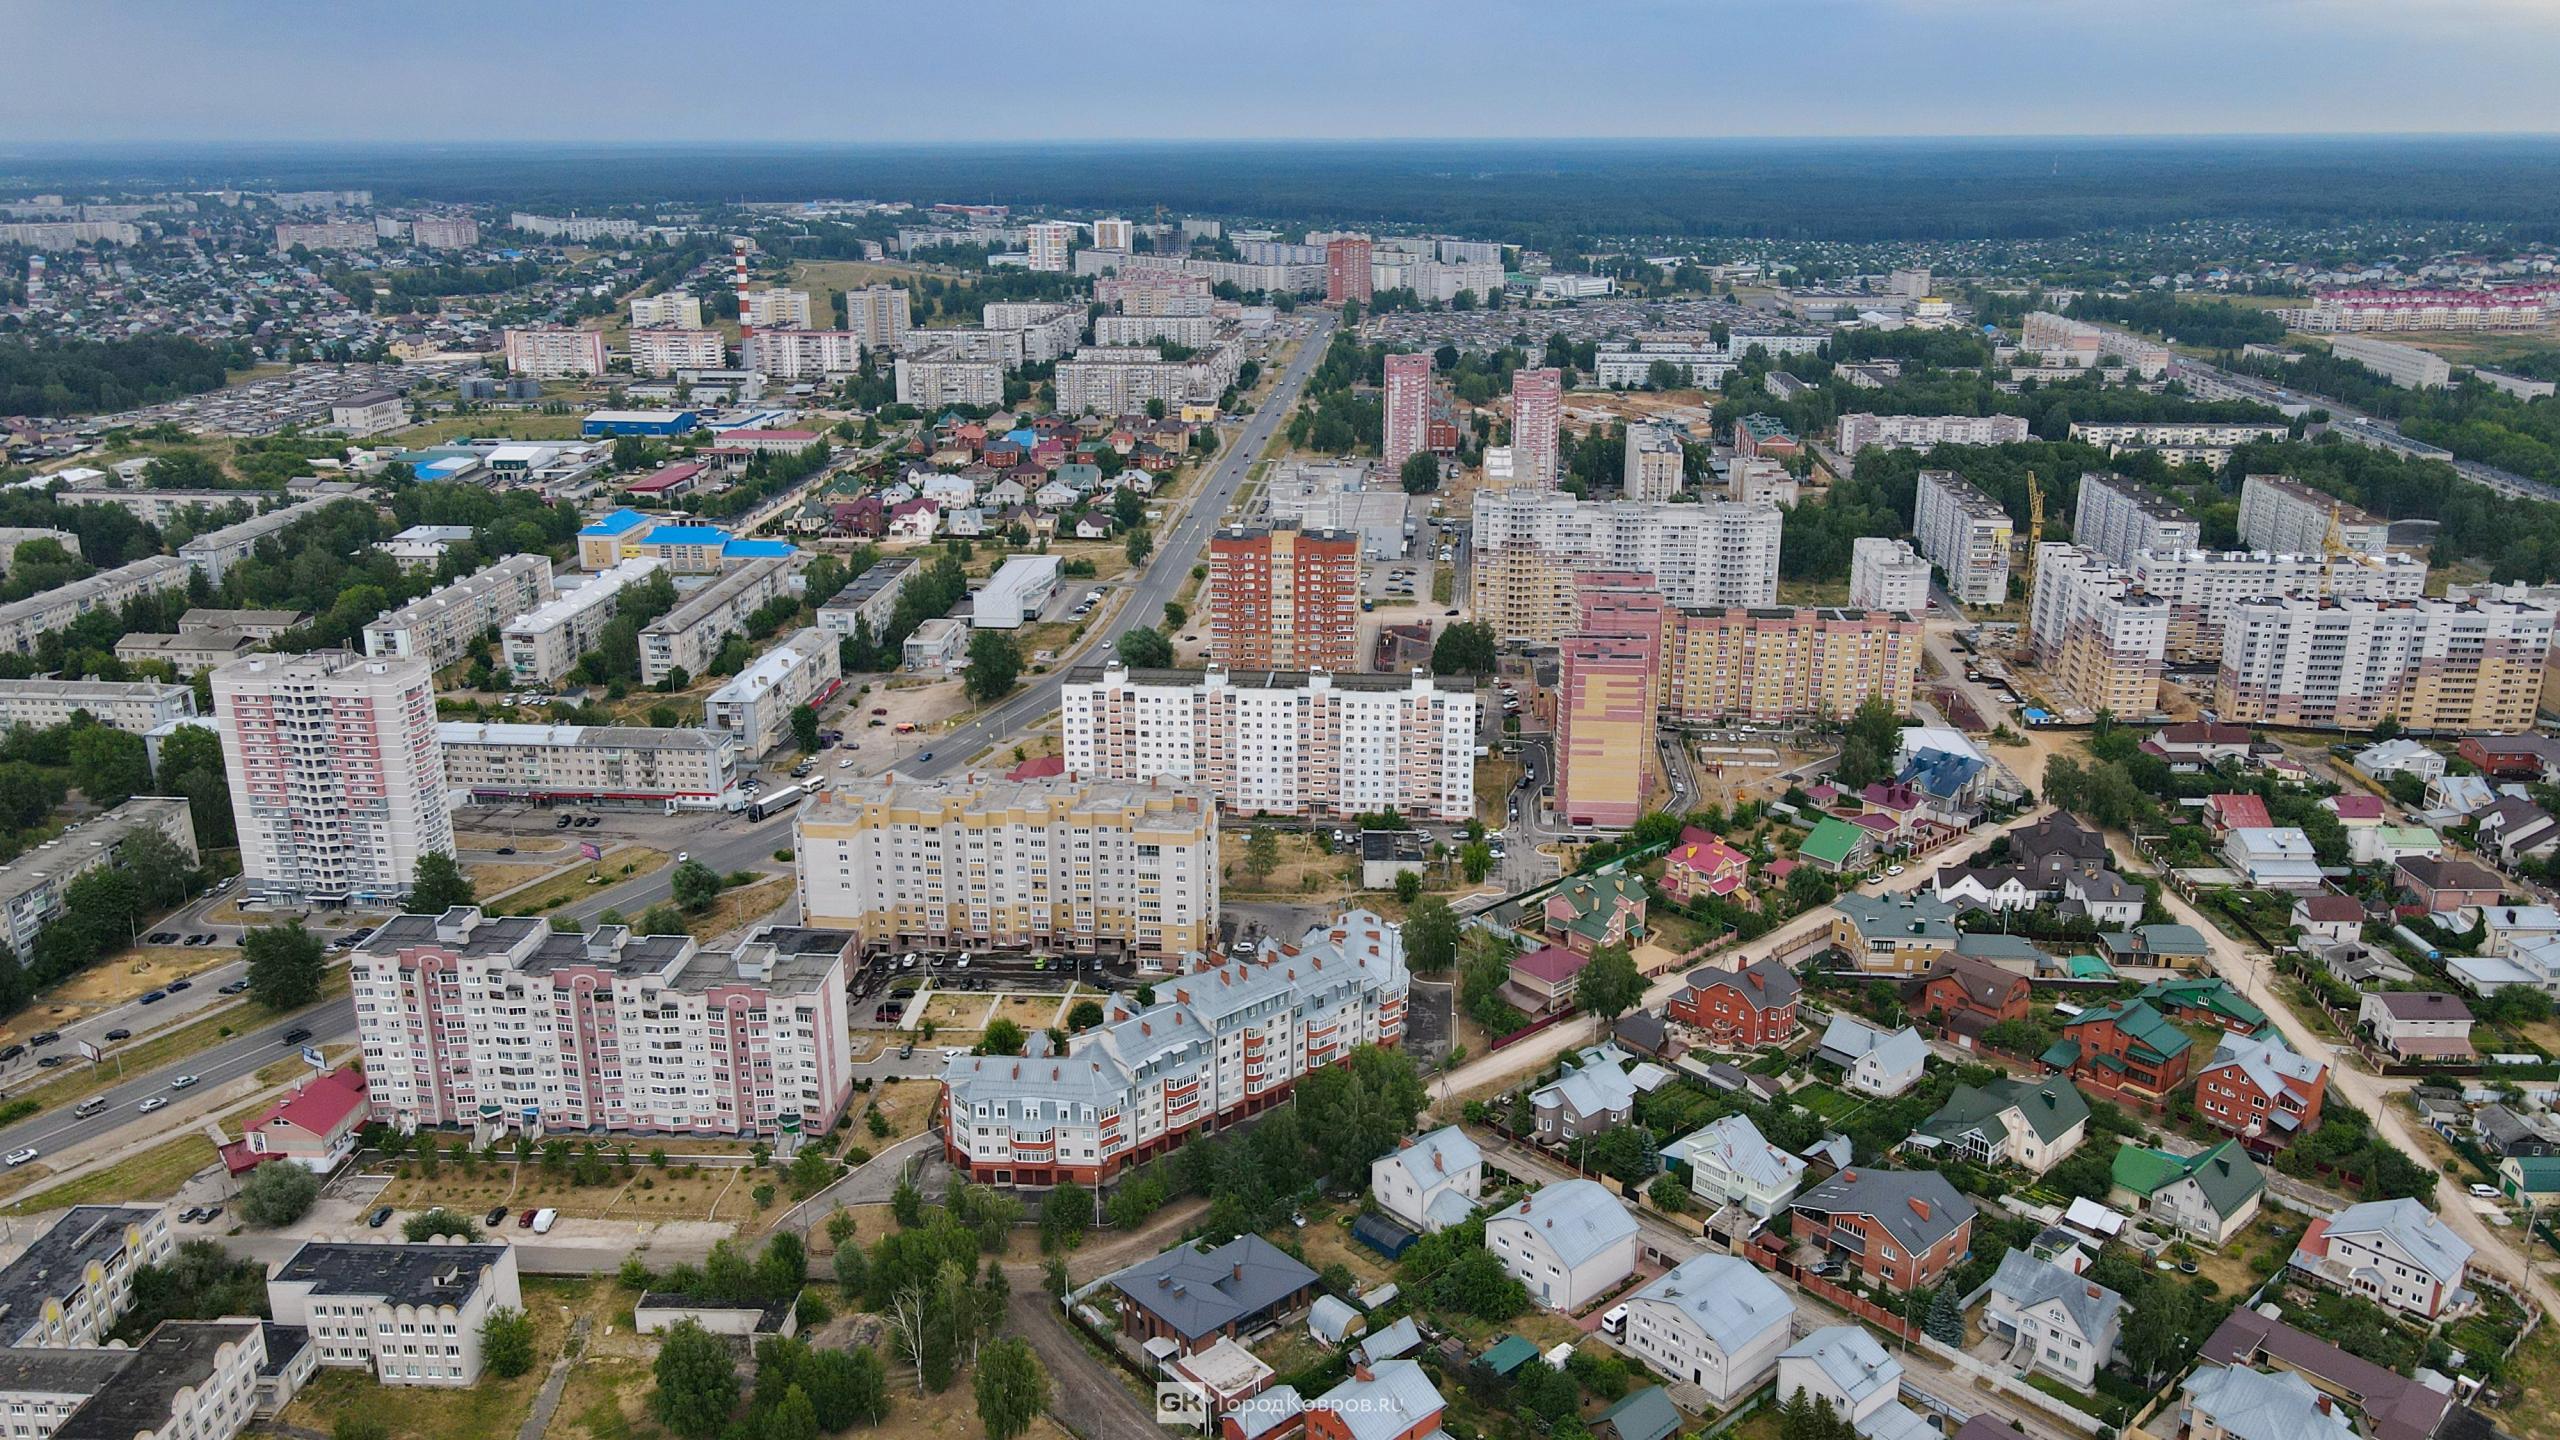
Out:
{"x": 1087, "y": 1393}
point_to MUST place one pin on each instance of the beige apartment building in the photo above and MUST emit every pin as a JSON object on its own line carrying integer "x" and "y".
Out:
{"x": 2431, "y": 665}
{"x": 132, "y": 705}
{"x": 2096, "y": 632}
{"x": 623, "y": 766}
{"x": 690, "y": 635}
{"x": 1086, "y": 866}
{"x": 439, "y": 626}
{"x": 1773, "y": 664}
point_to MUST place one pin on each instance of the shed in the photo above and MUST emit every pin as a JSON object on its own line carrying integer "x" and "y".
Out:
{"x": 1383, "y": 1235}
{"x": 1645, "y": 1414}
{"x": 1508, "y": 1354}
{"x": 1331, "y": 1319}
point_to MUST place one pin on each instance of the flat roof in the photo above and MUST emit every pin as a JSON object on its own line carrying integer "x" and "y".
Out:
{"x": 403, "y": 1274}
{"x": 54, "y": 1262}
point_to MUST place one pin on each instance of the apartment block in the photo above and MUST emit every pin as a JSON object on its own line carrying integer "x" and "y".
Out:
{"x": 2096, "y": 632}
{"x": 1887, "y": 575}
{"x": 23, "y": 623}
{"x": 1115, "y": 380}
{"x": 878, "y": 314}
{"x": 756, "y": 705}
{"x": 503, "y": 1023}
{"x": 1049, "y": 330}
{"x": 871, "y": 598}
{"x": 2177, "y": 442}
{"x": 2281, "y": 514}
{"x": 215, "y": 551}
{"x": 74, "y": 1280}
{"x": 439, "y": 626}
{"x": 1346, "y": 270}
{"x": 664, "y": 352}
{"x": 1198, "y": 332}
{"x": 1537, "y": 410}
{"x": 1699, "y": 362}
{"x": 2406, "y": 366}
{"x": 1772, "y": 665}
{"x": 791, "y": 355}
{"x": 1861, "y": 432}
{"x": 35, "y": 887}
{"x": 411, "y": 1314}
{"x": 1282, "y": 598}
{"x": 134, "y": 706}
{"x": 2058, "y": 339}
{"x": 328, "y": 235}
{"x": 1965, "y": 534}
{"x": 2119, "y": 519}
{"x": 1656, "y": 464}
{"x": 1286, "y": 742}
{"x": 2503, "y": 307}
{"x": 2201, "y": 586}
{"x": 1155, "y": 292}
{"x": 674, "y": 310}
{"x": 928, "y": 381}
{"x": 690, "y": 635}
{"x": 776, "y": 309}
{"x": 1221, "y": 1043}
{"x": 1407, "y": 408}
{"x": 622, "y": 766}
{"x": 1529, "y": 544}
{"x": 1606, "y": 697}
{"x": 2431, "y": 665}
{"x": 554, "y": 354}
{"x": 337, "y": 782}
{"x": 1082, "y": 866}
{"x": 547, "y": 642}
{"x": 1046, "y": 242}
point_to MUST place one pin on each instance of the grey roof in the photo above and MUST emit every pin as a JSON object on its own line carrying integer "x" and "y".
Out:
{"x": 1737, "y": 1144}
{"x": 1267, "y": 1411}
{"x": 1764, "y": 982}
{"x": 2415, "y": 1228}
{"x": 1847, "y": 1040}
{"x": 1597, "y": 1088}
{"x": 1896, "y": 1199}
{"x": 401, "y": 1274}
{"x": 1850, "y": 1359}
{"x": 1645, "y": 1414}
{"x": 1196, "y": 1292}
{"x": 1730, "y": 1301}
{"x": 1331, "y": 1318}
{"x": 283, "y": 1343}
{"x": 1396, "y": 1399}
{"x": 1397, "y": 1340}
{"x": 177, "y": 1355}
{"x": 53, "y": 1264}
{"x": 1577, "y": 1219}
{"x": 59, "y": 1370}
{"x": 2257, "y": 1405}
{"x": 1433, "y": 1158}
{"x": 2028, "y": 1281}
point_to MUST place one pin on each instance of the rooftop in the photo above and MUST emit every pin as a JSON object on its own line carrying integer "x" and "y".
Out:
{"x": 1196, "y": 1292}
{"x": 401, "y": 1274}
{"x": 53, "y": 1264}
{"x": 177, "y": 1355}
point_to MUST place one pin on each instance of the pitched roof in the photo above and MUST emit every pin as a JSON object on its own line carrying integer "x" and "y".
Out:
{"x": 1595, "y": 1088}
{"x": 1576, "y": 1219}
{"x": 1552, "y": 964}
{"x": 2256, "y": 1405}
{"x": 1736, "y": 1144}
{"x": 2270, "y": 1066}
{"x": 1730, "y": 1301}
{"x": 2141, "y": 1024}
{"x": 2421, "y": 1004}
{"x": 1261, "y": 1414}
{"x": 2028, "y": 1281}
{"x": 1985, "y": 985}
{"x": 2415, "y": 1228}
{"x": 1917, "y": 1207}
{"x": 2355, "y": 807}
{"x": 1831, "y": 841}
{"x": 2224, "y": 1172}
{"x": 2239, "y": 812}
{"x": 1848, "y": 1039}
{"x": 1765, "y": 982}
{"x": 320, "y": 1106}
{"x": 2050, "y": 1107}
{"x": 2329, "y": 908}
{"x": 1396, "y": 1399}
{"x": 1850, "y": 1359}
{"x": 2209, "y": 993}
{"x": 1919, "y": 917}
{"x": 1645, "y": 1414}
{"x": 1507, "y": 1354}
{"x": 2437, "y": 873}
{"x": 1397, "y": 1340}
{"x": 1434, "y": 1158}
{"x": 1197, "y": 1292}
{"x": 2395, "y": 1406}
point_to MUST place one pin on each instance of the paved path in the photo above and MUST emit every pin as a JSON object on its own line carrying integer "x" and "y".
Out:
{"x": 1087, "y": 1395}
{"x": 549, "y": 1400}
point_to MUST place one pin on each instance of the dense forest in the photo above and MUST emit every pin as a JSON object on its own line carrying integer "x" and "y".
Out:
{"x": 81, "y": 377}
{"x": 2213, "y": 324}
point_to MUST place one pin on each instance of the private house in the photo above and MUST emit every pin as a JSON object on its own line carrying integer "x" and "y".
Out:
{"x": 2394, "y": 1406}
{"x": 1873, "y": 1061}
{"x": 2273, "y": 857}
{"x": 1892, "y": 934}
{"x": 2211, "y": 1195}
{"x": 2355, "y": 811}
{"x": 2529, "y": 1179}
{"x": 2442, "y": 885}
{"x": 2506, "y": 929}
{"x": 2535, "y": 964}
{"x": 1646, "y": 1033}
{"x": 2328, "y": 917}
{"x": 2459, "y": 795}
{"x": 1195, "y": 1296}
{"x": 1585, "y": 912}
{"x": 2178, "y": 947}
{"x": 1845, "y": 1367}
{"x": 2103, "y": 896}
{"x": 2197, "y": 746}
{"x": 2518, "y": 830}
{"x": 1988, "y": 887}
{"x": 1702, "y": 865}
{"x": 1542, "y": 980}
{"x": 2503, "y": 1132}
{"x": 2391, "y": 844}
{"x": 1837, "y": 847}
{"x": 1430, "y": 1182}
{"x": 2056, "y": 845}
{"x": 2261, "y": 1091}
{"x": 1714, "y": 1321}
{"x": 1949, "y": 785}
{"x": 2226, "y": 812}
{"x": 2054, "y": 1320}
{"x": 2208, "y": 1000}
{"x": 1393, "y": 1400}
{"x": 1598, "y": 1095}
{"x": 1570, "y": 1243}
{"x": 2399, "y": 757}
{"x": 314, "y": 1127}
{"x": 2126, "y": 1051}
{"x": 2511, "y": 757}
{"x": 1737, "y": 1009}
{"x": 2229, "y": 1402}
{"x": 1730, "y": 1163}
{"x": 2030, "y": 1123}
{"x": 1900, "y": 1229}
{"x": 1961, "y": 986}
{"x": 2394, "y": 1252}
{"x": 2419, "y": 1025}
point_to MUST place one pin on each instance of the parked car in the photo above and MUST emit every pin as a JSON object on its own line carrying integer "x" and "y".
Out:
{"x": 543, "y": 1220}
{"x": 235, "y": 987}
{"x": 177, "y": 985}
{"x": 152, "y": 997}
{"x": 506, "y": 849}
{"x": 2484, "y": 1192}
{"x": 45, "y": 1037}
{"x": 12, "y": 1053}
{"x": 525, "y": 1220}
{"x": 496, "y": 1217}
{"x": 119, "y": 1033}
{"x": 379, "y": 1217}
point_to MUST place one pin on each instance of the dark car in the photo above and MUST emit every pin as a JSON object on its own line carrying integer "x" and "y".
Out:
{"x": 525, "y": 1220}
{"x": 12, "y": 1053}
{"x": 496, "y": 1217}
{"x": 379, "y": 1218}
{"x": 119, "y": 1033}
{"x": 235, "y": 987}
{"x": 45, "y": 1037}
{"x": 48, "y": 1062}
{"x": 164, "y": 937}
{"x": 561, "y": 824}
{"x": 153, "y": 997}
{"x": 296, "y": 1035}
{"x": 924, "y": 757}
{"x": 177, "y": 985}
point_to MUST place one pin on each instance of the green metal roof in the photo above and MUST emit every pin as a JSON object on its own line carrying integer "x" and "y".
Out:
{"x": 2088, "y": 967}
{"x": 1508, "y": 1354}
{"x": 1832, "y": 841}
{"x": 2145, "y": 1026}
{"x": 2225, "y": 1172}
{"x": 2208, "y": 993}
{"x": 1645, "y": 1414}
{"x": 2050, "y": 1107}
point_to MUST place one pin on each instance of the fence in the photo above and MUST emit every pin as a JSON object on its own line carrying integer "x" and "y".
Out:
{"x": 1838, "y": 1296}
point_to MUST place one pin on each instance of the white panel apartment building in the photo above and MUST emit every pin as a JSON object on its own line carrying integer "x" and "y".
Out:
{"x": 1115, "y": 380}
{"x": 2120, "y": 518}
{"x": 2178, "y": 442}
{"x": 1655, "y": 462}
{"x": 503, "y": 1023}
{"x": 1887, "y": 575}
{"x": 2096, "y": 632}
{"x": 552, "y": 354}
{"x": 675, "y": 310}
{"x": 23, "y": 623}
{"x": 756, "y": 705}
{"x": 35, "y": 886}
{"x": 1919, "y": 432}
{"x": 690, "y": 635}
{"x": 616, "y": 765}
{"x": 2432, "y": 665}
{"x": 2060, "y": 340}
{"x": 411, "y": 1314}
{"x": 1080, "y": 866}
{"x": 439, "y": 626}
{"x": 1529, "y": 543}
{"x": 928, "y": 381}
{"x": 664, "y": 352}
{"x": 75, "y": 1278}
{"x": 1218, "y": 1045}
{"x": 878, "y": 313}
{"x": 547, "y": 641}
{"x": 1049, "y": 330}
{"x": 337, "y": 781}
{"x": 1965, "y": 534}
{"x": 2281, "y": 514}
{"x": 803, "y": 354}
{"x": 1286, "y": 742}
{"x": 218, "y": 550}
{"x": 1196, "y": 331}
{"x": 2202, "y": 586}
{"x": 777, "y": 309}
{"x": 2406, "y": 366}
{"x": 136, "y": 706}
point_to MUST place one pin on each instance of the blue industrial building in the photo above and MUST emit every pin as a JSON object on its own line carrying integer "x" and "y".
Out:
{"x": 642, "y": 422}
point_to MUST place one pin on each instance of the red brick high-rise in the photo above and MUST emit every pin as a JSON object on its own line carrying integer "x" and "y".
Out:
{"x": 1408, "y": 408}
{"x": 1284, "y": 599}
{"x": 1346, "y": 270}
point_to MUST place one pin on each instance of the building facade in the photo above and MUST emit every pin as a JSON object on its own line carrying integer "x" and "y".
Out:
{"x": 411, "y": 1314}
{"x": 1529, "y": 544}
{"x": 134, "y": 706}
{"x": 607, "y": 765}
{"x": 1284, "y": 598}
{"x": 1537, "y": 410}
{"x": 1863, "y": 431}
{"x": 1965, "y": 534}
{"x": 554, "y": 354}
{"x": 2281, "y": 514}
{"x": 756, "y": 705}
{"x": 439, "y": 626}
{"x": 690, "y": 635}
{"x": 35, "y": 886}
{"x": 2096, "y": 632}
{"x": 1772, "y": 665}
{"x": 2119, "y": 519}
{"x": 546, "y": 642}
{"x": 2431, "y": 665}
{"x": 664, "y": 352}
{"x": 1407, "y": 407}
{"x": 1887, "y": 575}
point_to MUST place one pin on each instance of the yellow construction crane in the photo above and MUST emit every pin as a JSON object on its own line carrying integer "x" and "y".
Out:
{"x": 2035, "y": 534}
{"x": 2333, "y": 543}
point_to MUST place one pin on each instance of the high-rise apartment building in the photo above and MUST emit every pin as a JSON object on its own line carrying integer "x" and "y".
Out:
{"x": 1118, "y": 380}
{"x": 1606, "y": 698}
{"x": 1286, "y": 742}
{"x": 790, "y": 355}
{"x": 1862, "y": 431}
{"x": 878, "y": 314}
{"x": 1346, "y": 269}
{"x": 1284, "y": 598}
{"x": 1656, "y": 462}
{"x": 1048, "y": 329}
{"x": 2432, "y": 665}
{"x": 930, "y": 382}
{"x": 337, "y": 782}
{"x": 2201, "y": 586}
{"x": 674, "y": 310}
{"x": 1114, "y": 234}
{"x": 445, "y": 232}
{"x": 1087, "y": 867}
{"x": 2120, "y": 518}
{"x": 2096, "y": 632}
{"x": 505, "y": 1024}
{"x": 1773, "y": 665}
{"x": 1537, "y": 409}
{"x": 2283, "y": 515}
{"x": 664, "y": 352}
{"x": 554, "y": 354}
{"x": 1965, "y": 534}
{"x": 777, "y": 309}
{"x": 1046, "y": 242}
{"x": 1887, "y": 575}
{"x": 1529, "y": 543}
{"x": 1408, "y": 408}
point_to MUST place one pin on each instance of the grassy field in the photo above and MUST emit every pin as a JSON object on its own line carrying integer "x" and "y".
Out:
{"x": 495, "y": 424}
{"x": 621, "y": 863}
{"x": 906, "y": 1105}
{"x": 649, "y": 1193}
{"x": 112, "y": 982}
{"x": 1303, "y": 869}
{"x": 152, "y": 1174}
{"x": 742, "y": 906}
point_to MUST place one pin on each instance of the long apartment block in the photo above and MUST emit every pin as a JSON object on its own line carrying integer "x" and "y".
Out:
{"x": 1286, "y": 742}
{"x": 618, "y": 766}
{"x": 1966, "y": 534}
{"x": 25, "y": 623}
{"x": 2431, "y": 665}
{"x": 2177, "y": 442}
{"x": 2120, "y": 518}
{"x": 690, "y": 635}
{"x": 755, "y": 706}
{"x": 439, "y": 626}
{"x": 75, "y": 1278}
{"x": 2281, "y": 514}
{"x": 502, "y": 1023}
{"x": 1773, "y": 665}
{"x": 136, "y": 706}
{"x": 548, "y": 640}
{"x": 1219, "y": 1044}
{"x": 2201, "y": 586}
{"x": 1078, "y": 866}
{"x": 35, "y": 886}
{"x": 1861, "y": 432}
{"x": 218, "y": 550}
{"x": 1529, "y": 544}
{"x": 2096, "y": 633}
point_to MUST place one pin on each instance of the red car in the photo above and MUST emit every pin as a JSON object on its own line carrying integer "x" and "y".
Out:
{"x": 525, "y": 1220}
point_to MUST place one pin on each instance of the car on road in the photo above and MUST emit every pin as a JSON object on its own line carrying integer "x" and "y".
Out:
{"x": 379, "y": 1217}
{"x": 845, "y": 764}
{"x": 924, "y": 757}
{"x": 48, "y": 1062}
{"x": 879, "y": 709}
{"x": 182, "y": 1082}
{"x": 119, "y": 1033}
{"x": 152, "y": 997}
{"x": 45, "y": 1037}
{"x": 953, "y": 1052}
{"x": 296, "y": 1035}
{"x": 561, "y": 824}
{"x": 496, "y": 1217}
{"x": 506, "y": 849}
{"x": 235, "y": 987}
{"x": 907, "y": 1051}
{"x": 12, "y": 1053}
{"x": 154, "y": 1103}
{"x": 2484, "y": 1192}
{"x": 683, "y": 855}
{"x": 177, "y": 985}
{"x": 164, "y": 937}
{"x": 21, "y": 1157}
{"x": 1893, "y": 869}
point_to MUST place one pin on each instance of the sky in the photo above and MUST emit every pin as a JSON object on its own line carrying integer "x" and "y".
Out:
{"x": 855, "y": 71}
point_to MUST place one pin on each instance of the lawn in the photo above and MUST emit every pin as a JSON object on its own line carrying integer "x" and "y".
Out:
{"x": 1304, "y": 868}
{"x": 119, "y": 978}
{"x": 650, "y": 1193}
{"x": 906, "y": 1105}
{"x": 490, "y": 1410}
{"x": 152, "y": 1174}
{"x": 739, "y": 907}
{"x": 621, "y": 863}
{"x": 1832, "y": 1105}
{"x": 503, "y": 425}
{"x": 2534, "y": 1371}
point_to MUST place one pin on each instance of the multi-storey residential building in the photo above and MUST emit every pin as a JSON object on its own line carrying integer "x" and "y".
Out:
{"x": 1198, "y": 332}
{"x": 1408, "y": 407}
{"x": 2119, "y": 519}
{"x": 878, "y": 314}
{"x": 2261, "y": 1091}
{"x": 603, "y": 765}
{"x": 756, "y": 705}
{"x": 2396, "y": 1252}
{"x": 871, "y": 598}
{"x": 802, "y": 354}
{"x": 1860, "y": 432}
{"x": 1114, "y": 234}
{"x": 1048, "y": 328}
{"x": 370, "y": 413}
{"x": 2179, "y": 442}
{"x": 1656, "y": 463}
{"x": 35, "y": 886}
{"x": 664, "y": 352}
{"x": 2498, "y": 307}
{"x": 2063, "y": 341}
{"x": 1091, "y": 867}
{"x": 217, "y": 550}
{"x": 1530, "y": 543}
{"x": 1047, "y": 241}
{"x": 1606, "y": 697}
{"x": 554, "y": 354}
{"x": 439, "y": 626}
{"x": 1887, "y": 575}
{"x": 579, "y": 229}
{"x": 2201, "y": 586}
{"x": 75, "y": 1278}
{"x": 1713, "y": 1321}
{"x": 689, "y": 636}
{"x": 13, "y": 536}
{"x": 1965, "y": 534}
{"x": 1284, "y": 598}
{"x": 1220, "y": 1043}
{"x": 674, "y": 310}
{"x": 2096, "y": 632}
{"x": 130, "y": 705}
{"x": 503, "y": 1023}
{"x": 1537, "y": 409}
{"x": 1155, "y": 292}
{"x": 776, "y": 309}
{"x": 2406, "y": 366}
{"x": 2432, "y": 665}
{"x": 931, "y": 381}
{"x": 1697, "y": 360}
{"x": 328, "y": 235}
{"x": 23, "y": 623}
{"x": 337, "y": 781}
{"x": 1004, "y": 347}
{"x": 1901, "y": 1230}
{"x": 547, "y": 641}
{"x": 1346, "y": 270}
{"x": 2281, "y": 514}
{"x": 1287, "y": 742}
{"x": 1773, "y": 665}
{"x": 1115, "y": 380}
{"x": 411, "y": 1314}
{"x": 187, "y": 1380}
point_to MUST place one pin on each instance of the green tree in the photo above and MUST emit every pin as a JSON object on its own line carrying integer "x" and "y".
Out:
{"x": 1002, "y": 1037}
{"x": 1064, "y": 1216}
{"x": 793, "y": 1417}
{"x": 285, "y": 963}
{"x": 1945, "y": 1323}
{"x": 1012, "y": 1388}
{"x": 110, "y": 766}
{"x": 697, "y": 886}
{"x": 278, "y": 1194}
{"x": 1431, "y": 935}
{"x": 661, "y": 919}
{"x": 1475, "y": 861}
{"x": 1421, "y": 473}
{"x": 1083, "y": 1016}
{"x": 440, "y": 885}
{"x": 1262, "y": 854}
{"x": 697, "y": 1383}
{"x": 1867, "y": 746}
{"x": 1610, "y": 985}
{"x": 804, "y": 728}
{"x": 428, "y": 1224}
{"x": 995, "y": 663}
{"x": 1408, "y": 885}
{"x": 1141, "y": 544}
{"x": 1465, "y": 648}
{"x": 1145, "y": 650}
{"x": 506, "y": 1342}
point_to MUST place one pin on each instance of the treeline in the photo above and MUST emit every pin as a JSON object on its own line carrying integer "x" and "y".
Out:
{"x": 2471, "y": 420}
{"x": 418, "y": 288}
{"x": 1924, "y": 389}
{"x": 2214, "y": 324}
{"x": 1342, "y": 409}
{"x": 932, "y": 591}
{"x": 2518, "y": 539}
{"x": 80, "y": 377}
{"x": 768, "y": 474}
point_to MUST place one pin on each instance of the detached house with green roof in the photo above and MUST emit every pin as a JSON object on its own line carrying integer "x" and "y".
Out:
{"x": 1591, "y": 912}
{"x": 2208, "y": 998}
{"x": 2211, "y": 1195}
{"x": 2128, "y": 1051}
{"x": 1837, "y": 847}
{"x": 2032, "y": 1123}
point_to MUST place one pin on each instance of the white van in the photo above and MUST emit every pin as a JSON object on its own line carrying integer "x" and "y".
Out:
{"x": 90, "y": 1106}
{"x": 543, "y": 1220}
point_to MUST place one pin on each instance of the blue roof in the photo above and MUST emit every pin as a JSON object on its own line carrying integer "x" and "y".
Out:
{"x": 1025, "y": 437}
{"x": 758, "y": 550}
{"x": 1939, "y": 773}
{"x": 618, "y": 523}
{"x": 687, "y": 535}
{"x": 450, "y": 465}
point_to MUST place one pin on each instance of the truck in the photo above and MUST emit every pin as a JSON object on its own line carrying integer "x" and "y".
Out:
{"x": 777, "y": 802}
